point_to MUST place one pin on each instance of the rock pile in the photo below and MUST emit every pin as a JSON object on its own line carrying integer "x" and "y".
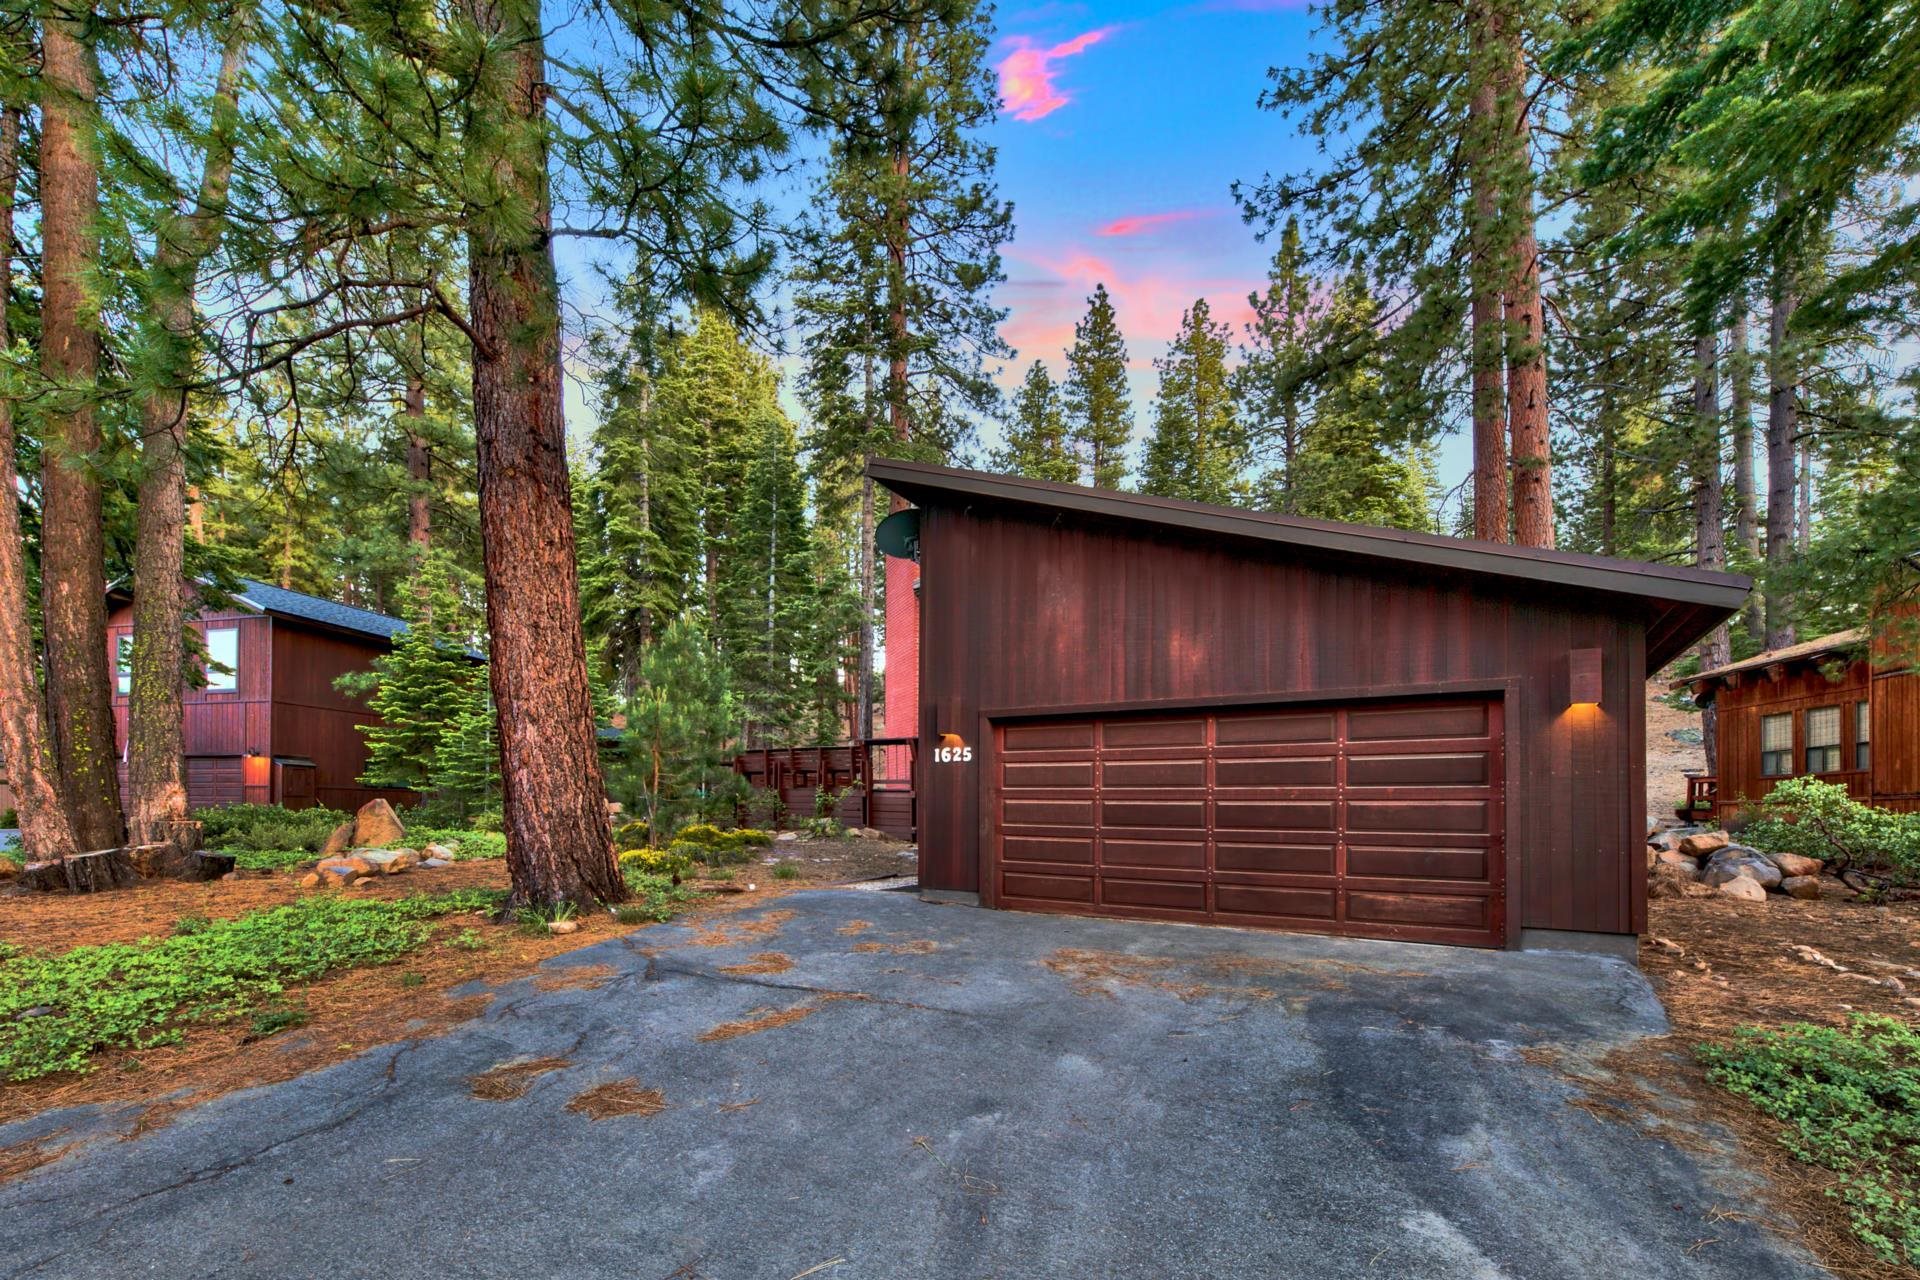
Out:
{"x": 1696, "y": 862}
{"x": 356, "y": 853}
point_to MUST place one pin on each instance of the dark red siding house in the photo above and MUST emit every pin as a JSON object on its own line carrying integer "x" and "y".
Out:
{"x": 1838, "y": 708}
{"x": 1130, "y": 706}
{"x": 275, "y": 731}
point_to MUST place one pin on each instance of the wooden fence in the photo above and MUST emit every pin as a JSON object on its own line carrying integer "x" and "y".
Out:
{"x": 874, "y": 781}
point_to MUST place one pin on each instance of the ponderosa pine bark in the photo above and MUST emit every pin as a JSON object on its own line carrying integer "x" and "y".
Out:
{"x": 73, "y": 589}
{"x": 46, "y": 828}
{"x": 1709, "y": 514}
{"x": 1487, "y": 336}
{"x": 1527, "y": 425}
{"x": 559, "y": 843}
{"x": 419, "y": 469}
{"x": 156, "y": 738}
{"x": 1746, "y": 506}
{"x": 1783, "y": 412}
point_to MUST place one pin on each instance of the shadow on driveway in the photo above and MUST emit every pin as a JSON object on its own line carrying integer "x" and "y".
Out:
{"x": 864, "y": 1085}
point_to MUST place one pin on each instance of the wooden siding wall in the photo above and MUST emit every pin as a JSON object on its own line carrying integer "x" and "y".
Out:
{"x": 1742, "y": 707}
{"x": 1896, "y": 748}
{"x": 1024, "y": 616}
{"x": 218, "y": 723}
{"x": 313, "y": 719}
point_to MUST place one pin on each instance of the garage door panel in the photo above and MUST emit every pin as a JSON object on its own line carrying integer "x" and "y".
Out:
{"x": 1271, "y": 900}
{"x": 1049, "y": 773}
{"x": 1021, "y": 848}
{"x": 1453, "y": 769}
{"x": 1153, "y": 773}
{"x": 1154, "y": 733}
{"x": 1274, "y": 815}
{"x": 1019, "y": 884}
{"x": 1162, "y": 895}
{"x": 1179, "y": 815}
{"x": 1154, "y": 853}
{"x": 1048, "y": 812}
{"x": 1418, "y": 815}
{"x": 1468, "y": 720}
{"x": 1277, "y": 859}
{"x": 1284, "y": 771}
{"x": 1417, "y": 863}
{"x": 1276, "y": 728}
{"x": 1435, "y": 910}
{"x": 1377, "y": 819}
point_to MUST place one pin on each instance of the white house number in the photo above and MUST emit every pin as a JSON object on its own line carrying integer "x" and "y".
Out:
{"x": 952, "y": 755}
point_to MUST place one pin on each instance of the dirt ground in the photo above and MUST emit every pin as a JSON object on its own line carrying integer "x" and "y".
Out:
{"x": 1718, "y": 965}
{"x": 1673, "y": 750}
{"x": 352, "y": 1011}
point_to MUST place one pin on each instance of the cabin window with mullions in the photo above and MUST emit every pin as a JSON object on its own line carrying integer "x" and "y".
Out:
{"x": 1776, "y": 746}
{"x": 1862, "y": 737}
{"x": 1823, "y": 740}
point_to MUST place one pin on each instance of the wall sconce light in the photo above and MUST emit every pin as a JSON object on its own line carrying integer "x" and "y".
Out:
{"x": 1583, "y": 677}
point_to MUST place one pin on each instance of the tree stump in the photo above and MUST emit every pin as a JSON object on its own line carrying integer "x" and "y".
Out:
{"x": 168, "y": 861}
{"x": 93, "y": 872}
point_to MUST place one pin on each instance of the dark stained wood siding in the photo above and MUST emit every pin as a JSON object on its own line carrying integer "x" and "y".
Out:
{"x": 1753, "y": 696}
{"x": 315, "y": 720}
{"x": 1896, "y": 748}
{"x": 1024, "y": 617}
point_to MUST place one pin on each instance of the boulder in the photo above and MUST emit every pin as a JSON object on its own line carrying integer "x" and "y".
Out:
{"x": 1794, "y": 865}
{"x": 786, "y": 837}
{"x": 1742, "y": 889}
{"x": 377, "y": 826}
{"x": 361, "y": 882}
{"x": 1665, "y": 839}
{"x": 1801, "y": 886}
{"x": 1763, "y": 873}
{"x": 1704, "y": 842}
{"x": 349, "y": 865}
{"x": 439, "y": 851}
{"x": 340, "y": 841}
{"x": 1669, "y": 858}
{"x": 389, "y": 862}
{"x": 311, "y": 880}
{"x": 562, "y": 926}
{"x": 434, "y": 864}
{"x": 1676, "y": 872}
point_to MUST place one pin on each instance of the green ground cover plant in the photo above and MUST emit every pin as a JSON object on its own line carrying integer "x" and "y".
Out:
{"x": 56, "y": 1011}
{"x": 1820, "y": 820}
{"x": 1850, "y": 1100}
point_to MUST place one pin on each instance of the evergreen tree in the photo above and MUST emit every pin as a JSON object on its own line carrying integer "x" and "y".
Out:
{"x": 1274, "y": 368}
{"x": 465, "y": 774}
{"x": 676, "y": 743}
{"x": 1036, "y": 441}
{"x": 418, "y": 688}
{"x": 1099, "y": 406}
{"x": 1197, "y": 450}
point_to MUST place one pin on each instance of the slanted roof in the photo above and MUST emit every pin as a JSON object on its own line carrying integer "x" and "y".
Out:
{"x": 1807, "y": 650}
{"x": 1682, "y": 603}
{"x": 264, "y": 598}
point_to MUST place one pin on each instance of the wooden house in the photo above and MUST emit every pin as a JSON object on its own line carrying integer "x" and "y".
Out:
{"x": 268, "y": 726}
{"x": 1131, "y": 706}
{"x": 1839, "y": 708}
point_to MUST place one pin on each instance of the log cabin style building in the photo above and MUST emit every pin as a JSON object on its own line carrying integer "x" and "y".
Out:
{"x": 1840, "y": 708}
{"x": 268, "y": 726}
{"x": 1131, "y": 706}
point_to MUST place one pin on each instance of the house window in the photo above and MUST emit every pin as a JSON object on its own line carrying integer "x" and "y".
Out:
{"x": 123, "y": 665}
{"x": 223, "y": 659}
{"x": 1862, "y": 737}
{"x": 1776, "y": 746}
{"x": 1823, "y": 740}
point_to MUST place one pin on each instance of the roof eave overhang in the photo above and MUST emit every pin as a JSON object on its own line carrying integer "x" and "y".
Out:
{"x": 1683, "y": 604}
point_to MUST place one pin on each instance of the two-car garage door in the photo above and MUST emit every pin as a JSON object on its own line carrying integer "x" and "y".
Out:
{"x": 1375, "y": 819}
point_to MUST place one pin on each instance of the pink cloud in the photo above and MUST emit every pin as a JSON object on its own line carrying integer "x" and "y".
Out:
{"x": 1026, "y": 74}
{"x": 1135, "y": 224}
{"x": 1148, "y": 303}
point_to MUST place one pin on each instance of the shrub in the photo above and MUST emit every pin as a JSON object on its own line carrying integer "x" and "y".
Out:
{"x": 266, "y": 828}
{"x": 786, "y": 871}
{"x": 9, "y": 818}
{"x": 823, "y": 828}
{"x": 463, "y": 844}
{"x": 631, "y": 834}
{"x": 1820, "y": 820}
{"x": 58, "y": 1010}
{"x": 1850, "y": 1100}
{"x": 671, "y": 862}
{"x": 488, "y": 820}
{"x": 655, "y": 897}
{"x": 762, "y": 807}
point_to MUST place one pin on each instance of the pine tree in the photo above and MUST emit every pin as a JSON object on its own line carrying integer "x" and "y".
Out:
{"x": 1197, "y": 450}
{"x": 677, "y": 734}
{"x": 1270, "y": 383}
{"x": 465, "y": 773}
{"x": 1099, "y": 406}
{"x": 1036, "y": 439}
{"x": 418, "y": 688}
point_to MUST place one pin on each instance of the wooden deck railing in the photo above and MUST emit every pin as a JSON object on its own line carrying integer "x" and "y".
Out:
{"x": 876, "y": 779}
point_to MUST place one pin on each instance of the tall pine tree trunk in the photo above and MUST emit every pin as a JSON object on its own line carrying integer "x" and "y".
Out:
{"x": 863, "y": 721}
{"x": 156, "y": 739}
{"x": 1746, "y": 504}
{"x": 1783, "y": 385}
{"x": 1709, "y": 515}
{"x": 419, "y": 469}
{"x": 73, "y": 592}
{"x": 46, "y": 828}
{"x": 559, "y": 844}
{"x": 1488, "y": 337}
{"x": 1526, "y": 323}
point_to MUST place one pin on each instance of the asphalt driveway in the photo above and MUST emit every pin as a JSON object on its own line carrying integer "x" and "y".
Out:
{"x": 936, "y": 1092}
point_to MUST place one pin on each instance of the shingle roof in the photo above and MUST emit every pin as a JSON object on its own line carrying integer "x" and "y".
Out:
{"x": 1815, "y": 648}
{"x": 297, "y": 604}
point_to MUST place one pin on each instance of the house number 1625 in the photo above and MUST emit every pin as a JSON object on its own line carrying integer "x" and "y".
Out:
{"x": 952, "y": 755}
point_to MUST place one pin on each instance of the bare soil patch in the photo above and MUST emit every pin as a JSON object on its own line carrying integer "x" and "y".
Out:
{"x": 846, "y": 860}
{"x": 511, "y": 1080}
{"x": 1719, "y": 965}
{"x": 618, "y": 1098}
{"x": 1673, "y": 750}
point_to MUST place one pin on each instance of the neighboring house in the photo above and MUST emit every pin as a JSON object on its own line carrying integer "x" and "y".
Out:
{"x": 271, "y": 728}
{"x": 1839, "y": 708}
{"x": 1130, "y": 706}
